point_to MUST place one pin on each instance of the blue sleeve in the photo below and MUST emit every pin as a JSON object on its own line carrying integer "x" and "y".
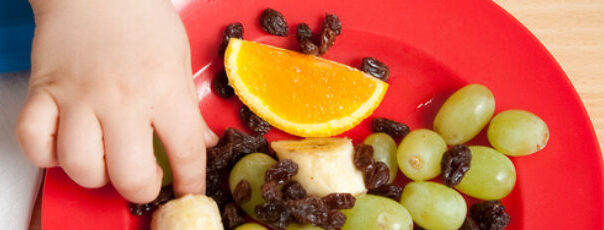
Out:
{"x": 16, "y": 33}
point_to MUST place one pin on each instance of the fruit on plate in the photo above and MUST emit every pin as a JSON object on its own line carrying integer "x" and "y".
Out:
{"x": 251, "y": 226}
{"x": 419, "y": 154}
{"x": 376, "y": 212}
{"x": 464, "y": 114}
{"x": 491, "y": 176}
{"x": 252, "y": 168}
{"x": 384, "y": 150}
{"x": 187, "y": 212}
{"x": 324, "y": 165}
{"x": 517, "y": 133}
{"x": 303, "y": 95}
{"x": 162, "y": 160}
{"x": 434, "y": 206}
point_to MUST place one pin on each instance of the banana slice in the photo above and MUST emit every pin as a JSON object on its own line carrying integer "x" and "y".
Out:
{"x": 190, "y": 212}
{"x": 324, "y": 165}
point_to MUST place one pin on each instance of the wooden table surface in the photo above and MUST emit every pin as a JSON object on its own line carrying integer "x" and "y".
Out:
{"x": 573, "y": 31}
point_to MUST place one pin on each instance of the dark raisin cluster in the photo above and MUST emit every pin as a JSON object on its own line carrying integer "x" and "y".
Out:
{"x": 253, "y": 121}
{"x": 375, "y": 173}
{"x": 242, "y": 192}
{"x": 220, "y": 85}
{"x": 390, "y": 127}
{"x": 290, "y": 203}
{"x": 166, "y": 194}
{"x": 454, "y": 164}
{"x": 490, "y": 215}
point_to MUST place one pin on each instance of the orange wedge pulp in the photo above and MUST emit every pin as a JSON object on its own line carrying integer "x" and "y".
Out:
{"x": 301, "y": 94}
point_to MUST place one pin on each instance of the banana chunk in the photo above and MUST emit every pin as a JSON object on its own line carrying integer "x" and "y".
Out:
{"x": 190, "y": 212}
{"x": 325, "y": 165}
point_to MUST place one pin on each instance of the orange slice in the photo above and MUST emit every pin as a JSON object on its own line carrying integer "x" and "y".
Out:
{"x": 303, "y": 95}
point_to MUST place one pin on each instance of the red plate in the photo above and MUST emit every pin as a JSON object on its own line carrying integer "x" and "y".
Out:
{"x": 432, "y": 48}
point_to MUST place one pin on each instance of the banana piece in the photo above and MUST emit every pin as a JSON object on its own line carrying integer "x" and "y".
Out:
{"x": 325, "y": 165}
{"x": 190, "y": 212}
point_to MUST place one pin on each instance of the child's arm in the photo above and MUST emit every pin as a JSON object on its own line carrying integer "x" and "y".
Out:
{"x": 105, "y": 74}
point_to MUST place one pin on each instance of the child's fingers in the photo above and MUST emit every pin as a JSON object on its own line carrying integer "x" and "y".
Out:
{"x": 80, "y": 146}
{"x": 129, "y": 156}
{"x": 36, "y": 129}
{"x": 183, "y": 133}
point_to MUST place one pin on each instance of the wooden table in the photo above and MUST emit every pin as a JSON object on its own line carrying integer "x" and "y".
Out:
{"x": 572, "y": 31}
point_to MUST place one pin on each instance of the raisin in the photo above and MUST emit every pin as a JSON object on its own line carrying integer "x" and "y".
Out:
{"x": 310, "y": 210}
{"x": 271, "y": 192}
{"x": 363, "y": 156}
{"x": 335, "y": 220}
{"x": 376, "y": 175}
{"x": 222, "y": 198}
{"x": 308, "y": 47}
{"x": 242, "y": 192}
{"x": 332, "y": 22}
{"x": 232, "y": 216}
{"x": 273, "y": 22}
{"x": 293, "y": 191}
{"x": 165, "y": 194}
{"x": 490, "y": 215}
{"x": 253, "y": 121}
{"x": 281, "y": 172}
{"x": 327, "y": 39}
{"x": 339, "y": 200}
{"x": 390, "y": 127}
{"x": 469, "y": 224}
{"x": 389, "y": 190}
{"x": 233, "y": 145}
{"x": 221, "y": 86}
{"x": 454, "y": 164}
{"x": 212, "y": 181}
{"x": 303, "y": 32}
{"x": 234, "y": 30}
{"x": 375, "y": 68}
{"x": 277, "y": 215}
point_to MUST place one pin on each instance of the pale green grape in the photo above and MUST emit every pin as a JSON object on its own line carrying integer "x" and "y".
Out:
{"x": 162, "y": 160}
{"x": 251, "y": 168}
{"x": 517, "y": 133}
{"x": 491, "y": 176}
{"x": 302, "y": 227}
{"x": 434, "y": 206}
{"x": 419, "y": 154}
{"x": 376, "y": 212}
{"x": 384, "y": 150}
{"x": 251, "y": 226}
{"x": 464, "y": 114}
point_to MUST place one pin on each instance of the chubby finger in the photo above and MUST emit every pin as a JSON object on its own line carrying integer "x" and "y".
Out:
{"x": 131, "y": 166}
{"x": 80, "y": 146}
{"x": 184, "y": 134}
{"x": 36, "y": 129}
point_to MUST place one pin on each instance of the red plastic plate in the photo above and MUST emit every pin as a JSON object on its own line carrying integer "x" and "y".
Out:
{"x": 432, "y": 48}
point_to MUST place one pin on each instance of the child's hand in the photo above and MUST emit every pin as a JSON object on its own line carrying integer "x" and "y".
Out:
{"x": 105, "y": 74}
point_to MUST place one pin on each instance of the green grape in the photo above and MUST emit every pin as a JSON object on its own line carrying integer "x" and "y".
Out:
{"x": 464, "y": 114}
{"x": 419, "y": 154}
{"x": 517, "y": 133}
{"x": 376, "y": 212}
{"x": 491, "y": 176}
{"x": 384, "y": 150}
{"x": 251, "y": 226}
{"x": 302, "y": 227}
{"x": 162, "y": 160}
{"x": 251, "y": 168}
{"x": 434, "y": 206}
